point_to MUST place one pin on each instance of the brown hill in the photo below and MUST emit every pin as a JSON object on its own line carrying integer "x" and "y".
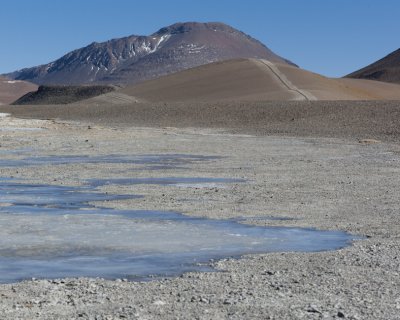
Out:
{"x": 386, "y": 69}
{"x": 11, "y": 90}
{"x": 256, "y": 80}
{"x": 137, "y": 58}
{"x": 230, "y": 80}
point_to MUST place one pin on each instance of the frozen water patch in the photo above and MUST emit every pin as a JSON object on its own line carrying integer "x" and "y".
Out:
{"x": 19, "y": 129}
{"x": 12, "y": 124}
{"x": 19, "y": 152}
{"x": 38, "y": 196}
{"x": 183, "y": 182}
{"x": 147, "y": 160}
{"x": 133, "y": 244}
{"x": 204, "y": 185}
{"x": 51, "y": 231}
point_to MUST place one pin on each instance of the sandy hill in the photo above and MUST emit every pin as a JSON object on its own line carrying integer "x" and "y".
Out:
{"x": 256, "y": 80}
{"x": 137, "y": 58}
{"x": 386, "y": 69}
{"x": 11, "y": 90}
{"x": 230, "y": 80}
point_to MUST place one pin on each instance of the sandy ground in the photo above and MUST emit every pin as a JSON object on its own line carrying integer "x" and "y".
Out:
{"x": 340, "y": 182}
{"x": 257, "y": 80}
{"x": 11, "y": 90}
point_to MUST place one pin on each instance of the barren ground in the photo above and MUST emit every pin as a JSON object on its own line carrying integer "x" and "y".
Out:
{"x": 329, "y": 177}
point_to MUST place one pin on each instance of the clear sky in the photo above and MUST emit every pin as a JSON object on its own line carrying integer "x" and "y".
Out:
{"x": 331, "y": 37}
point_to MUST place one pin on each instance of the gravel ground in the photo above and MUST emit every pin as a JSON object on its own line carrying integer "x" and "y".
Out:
{"x": 340, "y": 119}
{"x": 328, "y": 183}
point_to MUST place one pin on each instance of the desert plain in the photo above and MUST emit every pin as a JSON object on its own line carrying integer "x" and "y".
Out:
{"x": 312, "y": 164}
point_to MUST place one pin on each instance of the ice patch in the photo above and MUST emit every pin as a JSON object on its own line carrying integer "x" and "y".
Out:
{"x": 19, "y": 129}
{"x": 53, "y": 243}
{"x": 201, "y": 185}
{"x": 183, "y": 182}
{"x": 58, "y": 231}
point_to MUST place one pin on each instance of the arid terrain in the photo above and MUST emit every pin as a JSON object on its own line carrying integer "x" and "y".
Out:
{"x": 257, "y": 80}
{"x": 260, "y": 144}
{"x": 155, "y": 167}
{"x": 339, "y": 119}
{"x": 11, "y": 90}
{"x": 245, "y": 80}
{"x": 325, "y": 165}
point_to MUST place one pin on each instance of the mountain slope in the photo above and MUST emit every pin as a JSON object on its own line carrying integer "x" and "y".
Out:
{"x": 386, "y": 69}
{"x": 137, "y": 58}
{"x": 11, "y": 90}
{"x": 255, "y": 80}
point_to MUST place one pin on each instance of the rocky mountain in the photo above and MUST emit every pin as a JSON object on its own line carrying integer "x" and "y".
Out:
{"x": 386, "y": 69}
{"x": 137, "y": 58}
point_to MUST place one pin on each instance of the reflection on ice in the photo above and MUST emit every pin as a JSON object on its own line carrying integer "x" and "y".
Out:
{"x": 51, "y": 231}
{"x": 135, "y": 244}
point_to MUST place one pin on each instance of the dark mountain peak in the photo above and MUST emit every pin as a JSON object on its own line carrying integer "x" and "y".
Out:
{"x": 386, "y": 69}
{"x": 137, "y": 58}
{"x": 183, "y": 27}
{"x": 396, "y": 51}
{"x": 393, "y": 57}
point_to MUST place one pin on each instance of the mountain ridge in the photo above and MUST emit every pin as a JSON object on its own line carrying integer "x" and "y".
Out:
{"x": 137, "y": 58}
{"x": 386, "y": 69}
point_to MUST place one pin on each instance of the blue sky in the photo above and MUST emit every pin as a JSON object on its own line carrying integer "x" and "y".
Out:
{"x": 331, "y": 37}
